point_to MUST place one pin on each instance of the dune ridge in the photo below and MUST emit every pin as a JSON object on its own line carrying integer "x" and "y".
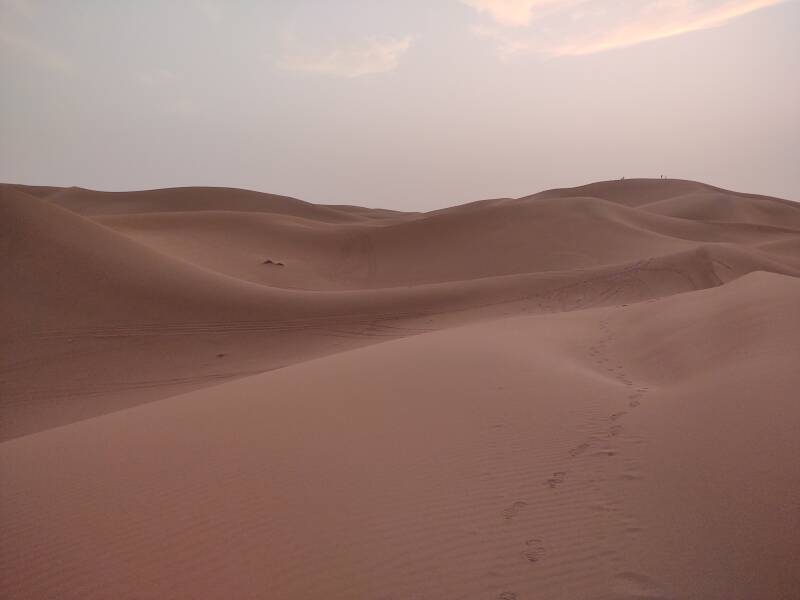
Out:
{"x": 582, "y": 393}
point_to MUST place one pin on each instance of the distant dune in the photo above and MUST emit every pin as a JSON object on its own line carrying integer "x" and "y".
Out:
{"x": 586, "y": 393}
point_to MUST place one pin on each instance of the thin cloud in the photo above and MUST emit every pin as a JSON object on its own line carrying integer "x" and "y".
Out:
{"x": 24, "y": 8}
{"x": 370, "y": 56}
{"x": 644, "y": 31}
{"x": 35, "y": 52}
{"x": 579, "y": 27}
{"x": 512, "y": 13}
{"x": 17, "y": 17}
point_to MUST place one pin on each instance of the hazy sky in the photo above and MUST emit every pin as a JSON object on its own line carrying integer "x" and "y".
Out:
{"x": 411, "y": 104}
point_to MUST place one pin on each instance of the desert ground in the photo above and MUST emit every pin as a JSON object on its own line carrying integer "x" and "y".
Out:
{"x": 586, "y": 393}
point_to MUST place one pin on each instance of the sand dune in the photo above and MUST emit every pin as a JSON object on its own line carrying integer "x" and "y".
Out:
{"x": 584, "y": 393}
{"x": 95, "y": 203}
{"x": 533, "y": 236}
{"x": 722, "y": 207}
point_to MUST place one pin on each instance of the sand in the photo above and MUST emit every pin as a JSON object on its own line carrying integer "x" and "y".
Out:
{"x": 587, "y": 393}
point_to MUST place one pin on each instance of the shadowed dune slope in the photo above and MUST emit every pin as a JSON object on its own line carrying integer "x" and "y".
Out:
{"x": 96, "y": 203}
{"x": 788, "y": 250}
{"x": 107, "y": 310}
{"x": 498, "y": 238}
{"x": 640, "y": 192}
{"x": 641, "y": 451}
{"x": 726, "y": 207}
{"x": 630, "y": 192}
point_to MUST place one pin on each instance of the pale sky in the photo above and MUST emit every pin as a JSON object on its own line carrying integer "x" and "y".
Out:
{"x": 406, "y": 104}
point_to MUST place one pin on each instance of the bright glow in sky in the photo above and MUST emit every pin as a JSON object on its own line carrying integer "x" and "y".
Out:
{"x": 412, "y": 105}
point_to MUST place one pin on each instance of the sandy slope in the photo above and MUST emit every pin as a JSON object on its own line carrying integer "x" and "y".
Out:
{"x": 531, "y": 235}
{"x": 585, "y": 393}
{"x": 622, "y": 452}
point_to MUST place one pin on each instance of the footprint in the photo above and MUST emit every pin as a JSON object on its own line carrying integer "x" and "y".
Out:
{"x": 617, "y": 415}
{"x": 638, "y": 585}
{"x": 513, "y": 510}
{"x": 578, "y": 450}
{"x": 557, "y": 479}
{"x": 508, "y": 596}
{"x": 614, "y": 431}
{"x": 534, "y": 551}
{"x": 634, "y": 403}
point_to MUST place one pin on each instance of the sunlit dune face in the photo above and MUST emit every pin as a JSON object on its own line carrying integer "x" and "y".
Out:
{"x": 578, "y": 27}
